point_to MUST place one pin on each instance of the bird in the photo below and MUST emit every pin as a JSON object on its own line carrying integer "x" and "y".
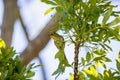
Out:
{"x": 60, "y": 44}
{"x": 60, "y": 55}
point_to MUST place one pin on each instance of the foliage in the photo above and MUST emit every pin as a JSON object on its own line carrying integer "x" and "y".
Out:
{"x": 81, "y": 26}
{"x": 11, "y": 68}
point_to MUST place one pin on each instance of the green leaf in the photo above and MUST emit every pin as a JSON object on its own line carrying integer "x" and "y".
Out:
{"x": 108, "y": 47}
{"x": 82, "y": 76}
{"x": 100, "y": 52}
{"x": 118, "y": 57}
{"x": 106, "y": 59}
{"x": 59, "y": 10}
{"x": 97, "y": 58}
{"x": 82, "y": 60}
{"x": 103, "y": 64}
{"x": 30, "y": 74}
{"x": 48, "y": 11}
{"x": 88, "y": 57}
{"x": 118, "y": 65}
{"x": 114, "y": 22}
{"x": 97, "y": 64}
{"x": 107, "y": 16}
{"x": 29, "y": 68}
{"x": 59, "y": 70}
{"x": 49, "y": 2}
{"x": 102, "y": 58}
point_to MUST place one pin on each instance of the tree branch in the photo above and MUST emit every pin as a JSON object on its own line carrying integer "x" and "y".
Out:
{"x": 24, "y": 27}
{"x": 10, "y": 16}
{"x": 36, "y": 45}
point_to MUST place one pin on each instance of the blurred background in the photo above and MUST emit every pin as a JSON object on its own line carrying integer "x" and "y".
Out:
{"x": 24, "y": 26}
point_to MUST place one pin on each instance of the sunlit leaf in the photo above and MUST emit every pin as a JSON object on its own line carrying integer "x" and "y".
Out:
{"x": 48, "y": 11}
{"x": 71, "y": 77}
{"x": 49, "y": 2}
{"x": 87, "y": 72}
{"x": 93, "y": 70}
{"x": 118, "y": 57}
{"x": 2, "y": 43}
{"x": 97, "y": 64}
{"x": 114, "y": 22}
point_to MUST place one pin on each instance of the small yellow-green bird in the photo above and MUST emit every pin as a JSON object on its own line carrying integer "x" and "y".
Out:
{"x": 60, "y": 44}
{"x": 58, "y": 40}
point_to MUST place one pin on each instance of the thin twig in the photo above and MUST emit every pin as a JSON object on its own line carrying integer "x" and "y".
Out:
{"x": 24, "y": 27}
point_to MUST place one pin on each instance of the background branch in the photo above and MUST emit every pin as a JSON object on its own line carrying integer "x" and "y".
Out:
{"x": 36, "y": 45}
{"x": 10, "y": 16}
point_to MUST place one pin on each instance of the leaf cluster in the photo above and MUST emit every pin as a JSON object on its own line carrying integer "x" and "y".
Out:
{"x": 92, "y": 73}
{"x": 11, "y": 68}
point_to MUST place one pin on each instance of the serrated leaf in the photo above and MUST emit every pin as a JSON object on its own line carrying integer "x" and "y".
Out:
{"x": 48, "y": 11}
